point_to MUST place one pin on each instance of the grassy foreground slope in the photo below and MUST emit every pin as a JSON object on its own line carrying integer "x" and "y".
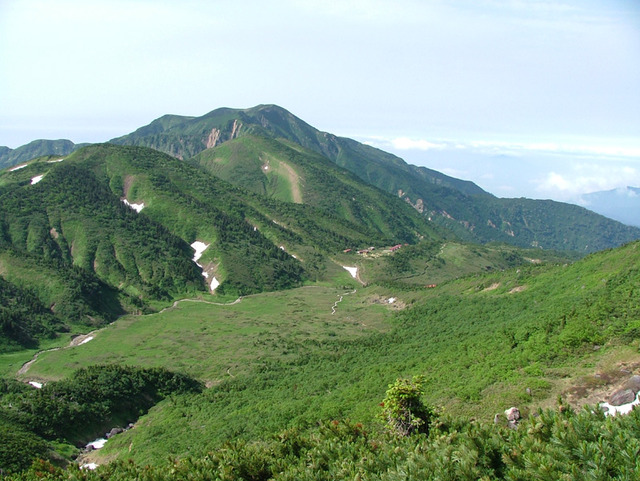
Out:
{"x": 480, "y": 341}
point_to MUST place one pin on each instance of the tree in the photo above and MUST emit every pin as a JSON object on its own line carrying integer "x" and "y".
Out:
{"x": 403, "y": 410}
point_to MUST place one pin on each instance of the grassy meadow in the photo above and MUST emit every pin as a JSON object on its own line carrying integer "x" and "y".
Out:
{"x": 213, "y": 341}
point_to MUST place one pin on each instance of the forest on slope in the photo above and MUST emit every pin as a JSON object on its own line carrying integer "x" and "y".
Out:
{"x": 459, "y": 206}
{"x": 479, "y": 341}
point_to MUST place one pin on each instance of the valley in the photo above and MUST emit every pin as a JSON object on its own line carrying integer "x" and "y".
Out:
{"x": 241, "y": 303}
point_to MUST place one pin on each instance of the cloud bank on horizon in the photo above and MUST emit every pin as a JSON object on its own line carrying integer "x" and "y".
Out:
{"x": 536, "y": 97}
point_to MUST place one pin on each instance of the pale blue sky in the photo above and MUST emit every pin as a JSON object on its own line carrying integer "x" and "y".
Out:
{"x": 543, "y": 96}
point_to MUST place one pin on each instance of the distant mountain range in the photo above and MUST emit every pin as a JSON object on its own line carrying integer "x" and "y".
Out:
{"x": 621, "y": 204}
{"x": 269, "y": 151}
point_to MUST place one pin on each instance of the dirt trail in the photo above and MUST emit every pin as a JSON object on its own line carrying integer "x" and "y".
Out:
{"x": 76, "y": 341}
{"x": 83, "y": 338}
{"x": 335, "y": 305}
{"x": 175, "y": 304}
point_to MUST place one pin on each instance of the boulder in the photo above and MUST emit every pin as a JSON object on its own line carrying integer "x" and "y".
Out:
{"x": 513, "y": 416}
{"x": 623, "y": 396}
{"x": 114, "y": 431}
{"x": 633, "y": 383}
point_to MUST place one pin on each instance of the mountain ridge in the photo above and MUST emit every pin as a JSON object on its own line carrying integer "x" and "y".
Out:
{"x": 459, "y": 206}
{"x": 451, "y": 204}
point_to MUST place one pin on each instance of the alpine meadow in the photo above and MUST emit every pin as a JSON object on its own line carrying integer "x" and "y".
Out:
{"x": 240, "y": 296}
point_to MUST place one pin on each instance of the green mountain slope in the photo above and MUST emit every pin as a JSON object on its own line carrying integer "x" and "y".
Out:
{"x": 460, "y": 206}
{"x": 480, "y": 341}
{"x": 285, "y": 171}
{"x": 37, "y": 148}
{"x": 66, "y": 232}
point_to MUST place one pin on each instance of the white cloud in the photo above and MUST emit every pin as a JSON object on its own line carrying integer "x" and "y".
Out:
{"x": 586, "y": 178}
{"x": 405, "y": 143}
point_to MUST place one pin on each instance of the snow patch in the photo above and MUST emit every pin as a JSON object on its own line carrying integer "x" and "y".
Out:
{"x": 136, "y": 207}
{"x": 199, "y": 248}
{"x": 84, "y": 341}
{"x": 36, "y": 179}
{"x": 18, "y": 167}
{"x": 36, "y": 384}
{"x": 392, "y": 300}
{"x": 90, "y": 466}
{"x": 98, "y": 443}
{"x": 54, "y": 161}
{"x": 622, "y": 409}
{"x": 352, "y": 270}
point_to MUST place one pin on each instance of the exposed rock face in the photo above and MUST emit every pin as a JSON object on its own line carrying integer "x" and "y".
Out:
{"x": 235, "y": 130}
{"x": 214, "y": 137}
{"x": 623, "y": 396}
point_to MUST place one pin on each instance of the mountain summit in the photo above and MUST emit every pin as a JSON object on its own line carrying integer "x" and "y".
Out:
{"x": 459, "y": 206}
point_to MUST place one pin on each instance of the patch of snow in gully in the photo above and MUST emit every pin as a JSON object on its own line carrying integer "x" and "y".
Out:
{"x": 18, "y": 167}
{"x": 136, "y": 207}
{"x": 36, "y": 179}
{"x": 352, "y": 270}
{"x": 199, "y": 248}
{"x": 98, "y": 443}
{"x": 622, "y": 409}
{"x": 36, "y": 384}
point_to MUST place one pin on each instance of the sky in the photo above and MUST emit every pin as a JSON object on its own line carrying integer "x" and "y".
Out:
{"x": 534, "y": 98}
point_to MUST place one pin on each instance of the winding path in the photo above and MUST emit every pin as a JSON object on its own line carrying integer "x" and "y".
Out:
{"x": 175, "y": 304}
{"x": 83, "y": 338}
{"x": 335, "y": 305}
{"x": 76, "y": 341}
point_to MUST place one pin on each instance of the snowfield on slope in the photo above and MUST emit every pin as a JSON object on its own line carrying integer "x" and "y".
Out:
{"x": 352, "y": 270}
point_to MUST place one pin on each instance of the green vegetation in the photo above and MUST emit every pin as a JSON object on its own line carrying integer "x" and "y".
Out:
{"x": 459, "y": 206}
{"x": 52, "y": 149}
{"x": 286, "y": 171}
{"x": 403, "y": 410}
{"x": 274, "y": 362}
{"x": 294, "y": 352}
{"x": 79, "y": 408}
{"x": 82, "y": 253}
{"x": 554, "y": 445}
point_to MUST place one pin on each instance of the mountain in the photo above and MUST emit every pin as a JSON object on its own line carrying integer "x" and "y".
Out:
{"x": 37, "y": 148}
{"x": 460, "y": 206}
{"x": 621, "y": 204}
{"x": 110, "y": 228}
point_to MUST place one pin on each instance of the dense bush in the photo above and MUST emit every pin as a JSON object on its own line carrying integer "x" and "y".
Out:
{"x": 78, "y": 409}
{"x": 551, "y": 445}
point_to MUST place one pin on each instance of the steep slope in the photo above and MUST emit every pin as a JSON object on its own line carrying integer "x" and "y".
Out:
{"x": 460, "y": 206}
{"x": 37, "y": 148}
{"x": 111, "y": 227}
{"x": 285, "y": 171}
